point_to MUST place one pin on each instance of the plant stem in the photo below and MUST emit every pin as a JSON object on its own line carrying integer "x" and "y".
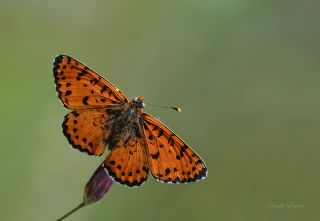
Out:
{"x": 72, "y": 211}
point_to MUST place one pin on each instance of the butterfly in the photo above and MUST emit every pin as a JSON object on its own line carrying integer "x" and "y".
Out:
{"x": 103, "y": 117}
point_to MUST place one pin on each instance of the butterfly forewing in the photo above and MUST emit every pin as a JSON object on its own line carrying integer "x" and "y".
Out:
{"x": 170, "y": 159}
{"x": 79, "y": 87}
{"x": 128, "y": 164}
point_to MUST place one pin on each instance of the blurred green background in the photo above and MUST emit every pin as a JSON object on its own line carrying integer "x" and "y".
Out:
{"x": 246, "y": 74}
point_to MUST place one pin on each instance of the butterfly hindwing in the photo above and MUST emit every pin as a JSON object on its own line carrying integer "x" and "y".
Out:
{"x": 79, "y": 87}
{"x": 170, "y": 159}
{"x": 128, "y": 164}
{"x": 86, "y": 130}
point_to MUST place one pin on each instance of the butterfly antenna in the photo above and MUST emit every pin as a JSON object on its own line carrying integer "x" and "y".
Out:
{"x": 174, "y": 108}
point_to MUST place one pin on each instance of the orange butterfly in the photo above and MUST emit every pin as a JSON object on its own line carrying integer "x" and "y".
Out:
{"x": 102, "y": 116}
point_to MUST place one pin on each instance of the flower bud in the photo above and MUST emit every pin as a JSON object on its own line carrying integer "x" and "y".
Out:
{"x": 98, "y": 185}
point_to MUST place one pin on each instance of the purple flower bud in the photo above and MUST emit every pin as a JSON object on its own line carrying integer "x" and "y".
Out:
{"x": 98, "y": 185}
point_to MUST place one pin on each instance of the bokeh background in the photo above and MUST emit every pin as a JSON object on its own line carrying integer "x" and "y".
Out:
{"x": 246, "y": 74}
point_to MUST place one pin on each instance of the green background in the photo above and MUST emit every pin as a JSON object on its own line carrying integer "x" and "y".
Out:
{"x": 246, "y": 74}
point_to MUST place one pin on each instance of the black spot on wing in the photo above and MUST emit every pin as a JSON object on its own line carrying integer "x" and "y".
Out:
{"x": 85, "y": 100}
{"x": 75, "y": 113}
{"x": 68, "y": 92}
{"x": 82, "y": 73}
{"x": 160, "y": 133}
{"x": 145, "y": 169}
{"x": 103, "y": 89}
{"x": 94, "y": 81}
{"x": 155, "y": 156}
{"x": 68, "y": 59}
{"x": 170, "y": 141}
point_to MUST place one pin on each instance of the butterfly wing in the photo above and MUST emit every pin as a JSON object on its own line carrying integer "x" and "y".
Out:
{"x": 170, "y": 159}
{"x": 128, "y": 164}
{"x": 86, "y": 130}
{"x": 79, "y": 87}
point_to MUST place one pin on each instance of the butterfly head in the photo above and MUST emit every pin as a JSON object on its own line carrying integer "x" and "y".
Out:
{"x": 138, "y": 102}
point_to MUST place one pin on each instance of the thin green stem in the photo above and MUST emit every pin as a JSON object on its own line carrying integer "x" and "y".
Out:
{"x": 72, "y": 211}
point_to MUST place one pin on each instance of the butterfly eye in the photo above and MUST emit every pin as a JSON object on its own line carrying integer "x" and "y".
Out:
{"x": 135, "y": 99}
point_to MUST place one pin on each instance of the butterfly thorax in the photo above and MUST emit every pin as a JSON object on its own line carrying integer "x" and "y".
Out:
{"x": 124, "y": 124}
